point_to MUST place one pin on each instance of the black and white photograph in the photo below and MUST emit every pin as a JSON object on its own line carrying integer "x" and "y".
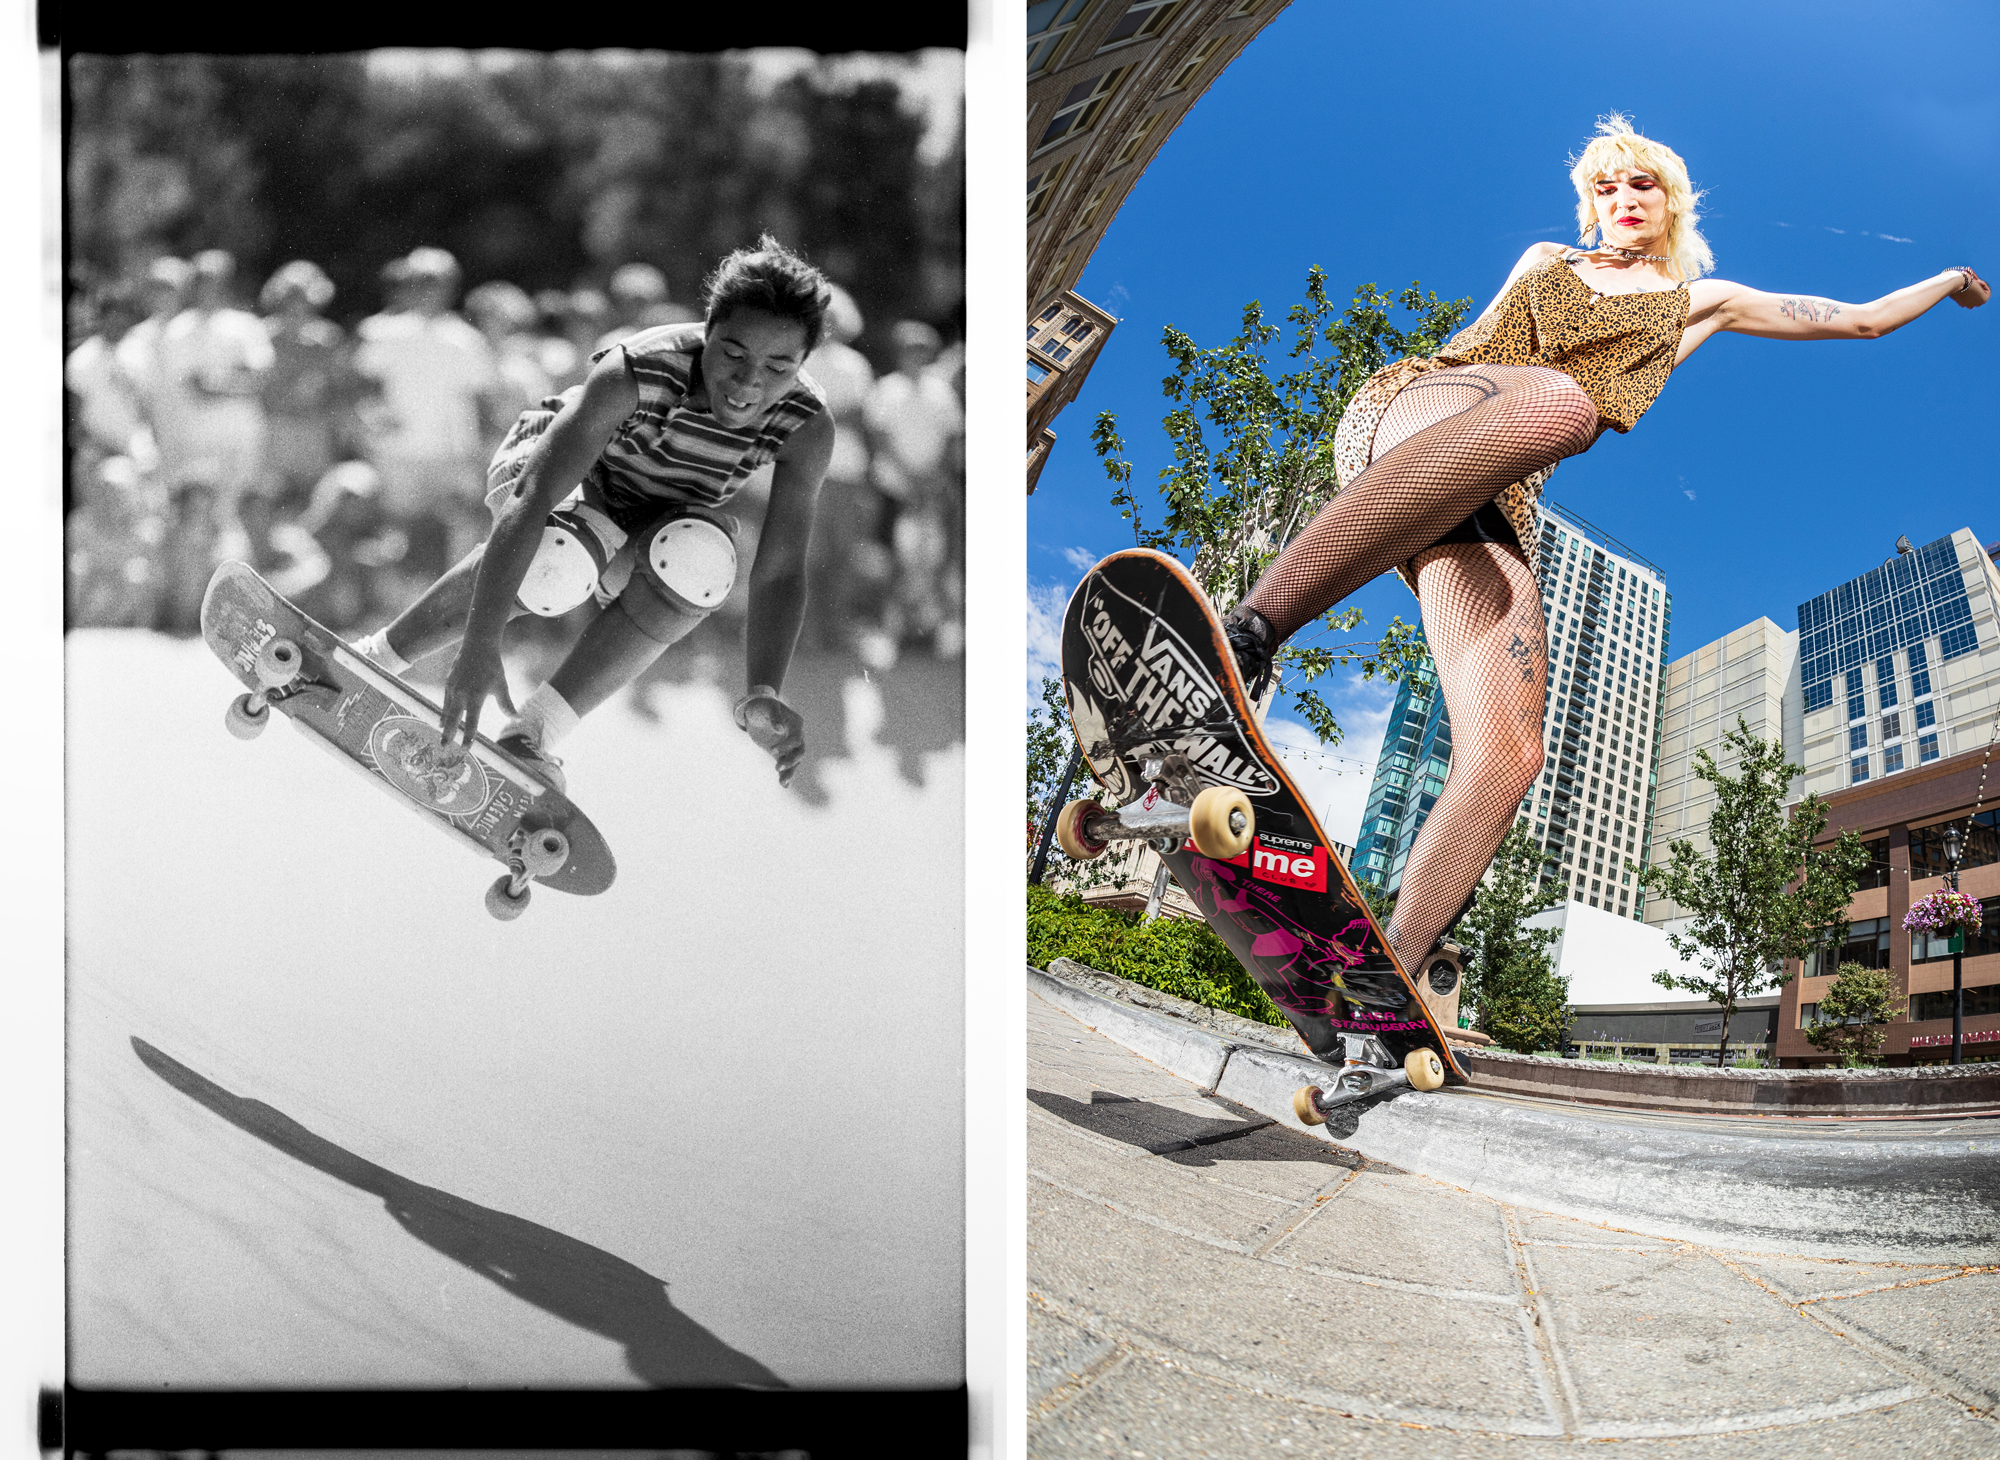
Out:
{"x": 569, "y": 447}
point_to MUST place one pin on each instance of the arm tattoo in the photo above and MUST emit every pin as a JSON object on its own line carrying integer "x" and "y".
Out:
{"x": 1815, "y": 311}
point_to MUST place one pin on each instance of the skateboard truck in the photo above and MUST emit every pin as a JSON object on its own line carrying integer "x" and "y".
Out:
{"x": 1221, "y": 823}
{"x": 530, "y": 854}
{"x": 277, "y": 664}
{"x": 1367, "y": 1071}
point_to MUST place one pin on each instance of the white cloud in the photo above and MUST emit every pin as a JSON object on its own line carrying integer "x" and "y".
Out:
{"x": 1046, "y": 602}
{"x": 1831, "y": 229}
{"x": 1894, "y": 239}
{"x": 1080, "y": 559}
{"x": 1335, "y": 779}
{"x": 1688, "y": 494}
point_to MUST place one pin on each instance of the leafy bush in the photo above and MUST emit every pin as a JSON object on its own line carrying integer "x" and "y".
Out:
{"x": 1181, "y": 958}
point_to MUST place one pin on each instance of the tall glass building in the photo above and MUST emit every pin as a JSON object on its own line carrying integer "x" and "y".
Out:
{"x": 1395, "y": 777}
{"x": 1609, "y": 618}
{"x": 1893, "y": 673}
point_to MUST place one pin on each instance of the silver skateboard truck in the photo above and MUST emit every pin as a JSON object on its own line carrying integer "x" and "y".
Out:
{"x": 1368, "y": 1070}
{"x": 1221, "y": 823}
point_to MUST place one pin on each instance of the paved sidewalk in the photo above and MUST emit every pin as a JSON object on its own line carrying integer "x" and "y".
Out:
{"x": 1204, "y": 1282}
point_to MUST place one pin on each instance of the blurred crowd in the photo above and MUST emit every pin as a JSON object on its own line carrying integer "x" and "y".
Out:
{"x": 348, "y": 464}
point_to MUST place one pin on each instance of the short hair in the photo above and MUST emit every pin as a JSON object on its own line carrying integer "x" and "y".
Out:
{"x": 772, "y": 278}
{"x": 301, "y": 277}
{"x": 1616, "y": 145}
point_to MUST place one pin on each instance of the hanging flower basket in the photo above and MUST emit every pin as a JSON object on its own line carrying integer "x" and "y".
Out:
{"x": 1944, "y": 911}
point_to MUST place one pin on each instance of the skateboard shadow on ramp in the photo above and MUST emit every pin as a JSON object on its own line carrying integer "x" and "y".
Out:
{"x": 562, "y": 1276}
{"x": 1185, "y": 1138}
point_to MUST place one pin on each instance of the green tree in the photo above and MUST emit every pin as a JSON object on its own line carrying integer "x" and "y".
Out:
{"x": 1050, "y": 742}
{"x": 1232, "y": 503}
{"x": 1852, "y": 1013}
{"x": 1520, "y": 999}
{"x": 1766, "y": 894}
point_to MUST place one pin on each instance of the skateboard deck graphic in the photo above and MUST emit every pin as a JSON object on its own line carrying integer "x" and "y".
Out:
{"x": 482, "y": 797}
{"x": 1161, "y": 713}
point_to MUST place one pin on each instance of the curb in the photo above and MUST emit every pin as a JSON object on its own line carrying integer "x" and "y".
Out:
{"x": 1876, "y": 1196}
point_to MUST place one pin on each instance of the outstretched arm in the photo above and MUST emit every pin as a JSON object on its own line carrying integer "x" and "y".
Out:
{"x": 556, "y": 463}
{"x": 1717, "y": 304}
{"x": 778, "y": 594}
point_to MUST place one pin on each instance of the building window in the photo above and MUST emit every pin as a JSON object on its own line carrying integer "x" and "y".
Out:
{"x": 1876, "y": 873}
{"x": 1079, "y": 329}
{"x": 1049, "y": 25}
{"x": 1892, "y": 726}
{"x": 1808, "y": 1015}
{"x": 1885, "y": 681}
{"x": 1056, "y": 271}
{"x": 1892, "y": 760}
{"x": 1857, "y": 770}
{"x": 1857, "y": 707}
{"x": 1926, "y": 715}
{"x": 1143, "y": 18}
{"x": 1956, "y": 641}
{"x": 1191, "y": 67}
{"x": 1037, "y": 373}
{"x": 1981, "y": 846}
{"x": 1983, "y": 1000}
{"x": 1081, "y": 108}
{"x": 1867, "y": 943}
{"x": 1042, "y": 187}
{"x": 1857, "y": 737}
{"x": 1926, "y": 748}
{"x": 1048, "y": 314}
{"x": 1135, "y": 140}
{"x": 1089, "y": 213}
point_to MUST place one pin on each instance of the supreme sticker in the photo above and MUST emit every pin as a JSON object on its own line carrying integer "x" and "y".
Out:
{"x": 1286, "y": 860}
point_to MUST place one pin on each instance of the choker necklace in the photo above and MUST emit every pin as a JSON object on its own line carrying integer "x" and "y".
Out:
{"x": 1627, "y": 254}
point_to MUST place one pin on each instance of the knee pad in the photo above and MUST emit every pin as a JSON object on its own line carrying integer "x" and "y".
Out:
{"x": 578, "y": 542}
{"x": 683, "y": 568}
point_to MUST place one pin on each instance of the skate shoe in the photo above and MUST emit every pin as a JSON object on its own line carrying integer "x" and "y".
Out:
{"x": 545, "y": 768}
{"x": 1250, "y": 634}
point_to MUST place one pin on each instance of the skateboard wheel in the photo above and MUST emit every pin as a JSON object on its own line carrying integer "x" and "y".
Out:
{"x": 1305, "y": 1105}
{"x": 503, "y": 904}
{"x": 278, "y": 663}
{"x": 1070, "y": 835}
{"x": 245, "y": 720}
{"x": 1222, "y": 822}
{"x": 544, "y": 853}
{"x": 1425, "y": 1069}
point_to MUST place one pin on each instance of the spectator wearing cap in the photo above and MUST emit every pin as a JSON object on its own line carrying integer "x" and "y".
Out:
{"x": 506, "y": 316}
{"x": 438, "y": 383}
{"x": 209, "y": 419}
{"x": 916, "y": 427}
{"x": 309, "y": 386}
{"x": 162, "y": 292}
{"x": 850, "y": 562}
{"x": 639, "y": 302}
{"x": 108, "y": 414}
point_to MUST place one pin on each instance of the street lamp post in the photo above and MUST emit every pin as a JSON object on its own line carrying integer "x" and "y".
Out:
{"x": 1953, "y": 845}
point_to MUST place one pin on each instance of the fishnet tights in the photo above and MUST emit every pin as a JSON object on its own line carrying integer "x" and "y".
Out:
{"x": 1483, "y": 621}
{"x": 1448, "y": 444}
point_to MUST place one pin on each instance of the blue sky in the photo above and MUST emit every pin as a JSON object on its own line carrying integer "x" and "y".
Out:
{"x": 1846, "y": 150}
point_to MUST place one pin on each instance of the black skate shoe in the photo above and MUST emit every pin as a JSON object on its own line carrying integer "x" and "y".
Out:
{"x": 1250, "y": 634}
{"x": 545, "y": 768}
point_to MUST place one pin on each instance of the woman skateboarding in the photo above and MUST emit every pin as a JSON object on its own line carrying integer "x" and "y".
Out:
{"x": 667, "y": 426}
{"x": 1441, "y": 462}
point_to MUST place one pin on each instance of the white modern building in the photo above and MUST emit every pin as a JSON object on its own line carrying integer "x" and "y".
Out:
{"x": 1609, "y": 617}
{"x": 1608, "y": 959}
{"x": 1885, "y": 673}
{"x": 1752, "y": 673}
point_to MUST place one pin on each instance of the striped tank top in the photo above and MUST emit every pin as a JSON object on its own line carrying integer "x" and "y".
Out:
{"x": 668, "y": 451}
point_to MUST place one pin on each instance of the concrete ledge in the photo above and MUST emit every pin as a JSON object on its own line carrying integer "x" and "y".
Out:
{"x": 1877, "y": 1195}
{"x": 1897, "y": 1093}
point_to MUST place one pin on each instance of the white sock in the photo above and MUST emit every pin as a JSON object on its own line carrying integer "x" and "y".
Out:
{"x": 545, "y": 719}
{"x": 375, "y": 649}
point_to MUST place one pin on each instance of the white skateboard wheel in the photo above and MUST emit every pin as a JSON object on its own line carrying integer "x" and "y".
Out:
{"x": 1222, "y": 822}
{"x": 1425, "y": 1069}
{"x": 1070, "y": 835}
{"x": 245, "y": 720}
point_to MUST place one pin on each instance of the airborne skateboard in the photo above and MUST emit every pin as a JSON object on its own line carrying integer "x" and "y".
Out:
{"x": 478, "y": 793}
{"x": 1163, "y": 719}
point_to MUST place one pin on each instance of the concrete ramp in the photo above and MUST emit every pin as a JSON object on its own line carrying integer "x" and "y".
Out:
{"x": 1876, "y": 1190}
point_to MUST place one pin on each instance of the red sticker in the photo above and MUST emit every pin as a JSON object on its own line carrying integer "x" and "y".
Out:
{"x": 1285, "y": 860}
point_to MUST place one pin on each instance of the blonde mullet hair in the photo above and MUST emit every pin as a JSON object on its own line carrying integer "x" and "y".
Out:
{"x": 1617, "y": 146}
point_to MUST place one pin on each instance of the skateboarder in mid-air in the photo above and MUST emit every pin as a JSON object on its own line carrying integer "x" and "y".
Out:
{"x": 610, "y": 492}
